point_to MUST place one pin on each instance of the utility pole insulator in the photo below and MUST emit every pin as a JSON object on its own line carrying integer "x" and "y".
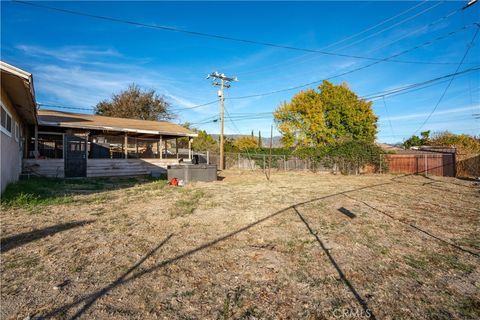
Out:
{"x": 469, "y": 4}
{"x": 224, "y": 83}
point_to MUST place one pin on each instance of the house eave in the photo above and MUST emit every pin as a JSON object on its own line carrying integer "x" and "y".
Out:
{"x": 109, "y": 128}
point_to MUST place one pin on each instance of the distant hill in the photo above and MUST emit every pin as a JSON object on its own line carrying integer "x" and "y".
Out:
{"x": 389, "y": 147}
{"x": 276, "y": 141}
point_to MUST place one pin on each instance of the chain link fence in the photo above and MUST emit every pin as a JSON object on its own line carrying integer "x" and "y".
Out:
{"x": 262, "y": 162}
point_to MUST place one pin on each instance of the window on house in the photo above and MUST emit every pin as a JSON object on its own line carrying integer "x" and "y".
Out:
{"x": 6, "y": 122}
{"x": 17, "y": 131}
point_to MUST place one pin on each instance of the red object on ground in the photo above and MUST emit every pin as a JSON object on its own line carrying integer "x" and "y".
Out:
{"x": 174, "y": 182}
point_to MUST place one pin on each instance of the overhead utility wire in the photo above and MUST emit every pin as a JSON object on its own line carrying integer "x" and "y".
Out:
{"x": 372, "y": 96}
{"x": 469, "y": 46}
{"x": 381, "y": 94}
{"x": 388, "y": 116}
{"x": 431, "y": 24}
{"x": 356, "y": 69}
{"x": 209, "y": 35}
{"x": 377, "y": 48}
{"x": 63, "y": 107}
{"x": 196, "y": 106}
{"x": 392, "y": 26}
{"x": 92, "y": 108}
{"x": 375, "y": 26}
{"x": 387, "y": 93}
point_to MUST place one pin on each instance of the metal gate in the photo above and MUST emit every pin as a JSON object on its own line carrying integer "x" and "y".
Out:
{"x": 75, "y": 156}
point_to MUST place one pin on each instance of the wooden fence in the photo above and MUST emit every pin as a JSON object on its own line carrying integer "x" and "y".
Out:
{"x": 430, "y": 163}
{"x": 437, "y": 164}
{"x": 468, "y": 165}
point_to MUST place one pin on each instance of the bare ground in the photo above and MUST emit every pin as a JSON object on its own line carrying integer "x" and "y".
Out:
{"x": 302, "y": 246}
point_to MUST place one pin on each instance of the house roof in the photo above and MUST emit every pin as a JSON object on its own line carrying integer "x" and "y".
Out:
{"x": 388, "y": 147}
{"x": 94, "y": 122}
{"x": 18, "y": 85}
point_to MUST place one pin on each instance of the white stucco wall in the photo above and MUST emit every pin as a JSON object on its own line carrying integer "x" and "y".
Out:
{"x": 11, "y": 154}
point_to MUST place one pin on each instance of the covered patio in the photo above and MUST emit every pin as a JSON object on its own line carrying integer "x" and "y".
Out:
{"x": 79, "y": 145}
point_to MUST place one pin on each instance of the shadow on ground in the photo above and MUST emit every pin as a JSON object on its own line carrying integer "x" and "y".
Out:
{"x": 12, "y": 242}
{"x": 82, "y": 304}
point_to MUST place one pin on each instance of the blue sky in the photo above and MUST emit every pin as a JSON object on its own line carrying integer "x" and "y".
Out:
{"x": 77, "y": 61}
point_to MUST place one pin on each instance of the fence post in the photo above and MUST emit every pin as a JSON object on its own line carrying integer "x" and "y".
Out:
{"x": 263, "y": 163}
{"x": 425, "y": 166}
{"x": 208, "y": 157}
{"x": 380, "y": 163}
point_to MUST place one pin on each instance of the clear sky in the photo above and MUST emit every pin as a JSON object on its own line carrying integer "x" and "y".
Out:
{"x": 76, "y": 61}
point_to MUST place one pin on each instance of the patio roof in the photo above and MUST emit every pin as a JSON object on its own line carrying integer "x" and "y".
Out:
{"x": 94, "y": 122}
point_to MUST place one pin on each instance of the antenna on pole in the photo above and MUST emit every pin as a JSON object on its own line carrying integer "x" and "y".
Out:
{"x": 220, "y": 79}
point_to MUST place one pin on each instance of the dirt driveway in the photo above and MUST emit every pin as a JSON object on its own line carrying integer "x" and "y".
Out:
{"x": 301, "y": 246}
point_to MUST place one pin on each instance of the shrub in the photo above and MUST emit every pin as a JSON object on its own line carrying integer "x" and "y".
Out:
{"x": 347, "y": 157}
{"x": 354, "y": 155}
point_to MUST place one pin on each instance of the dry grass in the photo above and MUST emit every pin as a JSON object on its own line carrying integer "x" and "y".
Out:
{"x": 303, "y": 245}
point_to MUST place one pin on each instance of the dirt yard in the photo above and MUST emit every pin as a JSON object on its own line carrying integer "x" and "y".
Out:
{"x": 302, "y": 246}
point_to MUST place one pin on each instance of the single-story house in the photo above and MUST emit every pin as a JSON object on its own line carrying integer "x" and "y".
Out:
{"x": 18, "y": 116}
{"x": 63, "y": 144}
{"x": 69, "y": 144}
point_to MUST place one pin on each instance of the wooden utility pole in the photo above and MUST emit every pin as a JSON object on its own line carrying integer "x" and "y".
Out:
{"x": 270, "y": 155}
{"x": 222, "y": 123}
{"x": 224, "y": 82}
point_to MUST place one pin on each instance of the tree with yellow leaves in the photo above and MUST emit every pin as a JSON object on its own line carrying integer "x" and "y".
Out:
{"x": 333, "y": 113}
{"x": 245, "y": 143}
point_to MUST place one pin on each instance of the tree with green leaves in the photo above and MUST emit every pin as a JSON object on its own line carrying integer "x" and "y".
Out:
{"x": 320, "y": 117}
{"x": 204, "y": 142}
{"x": 259, "y": 139}
{"x": 415, "y": 141}
{"x": 135, "y": 103}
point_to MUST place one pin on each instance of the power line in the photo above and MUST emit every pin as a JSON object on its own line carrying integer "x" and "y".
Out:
{"x": 209, "y": 35}
{"x": 63, "y": 107}
{"x": 469, "y": 46}
{"x": 393, "y": 26}
{"x": 358, "y": 68}
{"x": 418, "y": 84}
{"x": 196, "y": 106}
{"x": 233, "y": 122}
{"x": 92, "y": 108}
{"x": 372, "y": 96}
{"x": 375, "y": 26}
{"x": 405, "y": 36}
{"x": 388, "y": 116}
{"x": 431, "y": 24}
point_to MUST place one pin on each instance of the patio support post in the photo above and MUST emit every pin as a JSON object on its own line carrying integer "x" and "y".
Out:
{"x": 166, "y": 149}
{"x": 176, "y": 147}
{"x": 190, "y": 148}
{"x": 159, "y": 147}
{"x": 36, "y": 142}
{"x": 125, "y": 146}
{"x": 136, "y": 146}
